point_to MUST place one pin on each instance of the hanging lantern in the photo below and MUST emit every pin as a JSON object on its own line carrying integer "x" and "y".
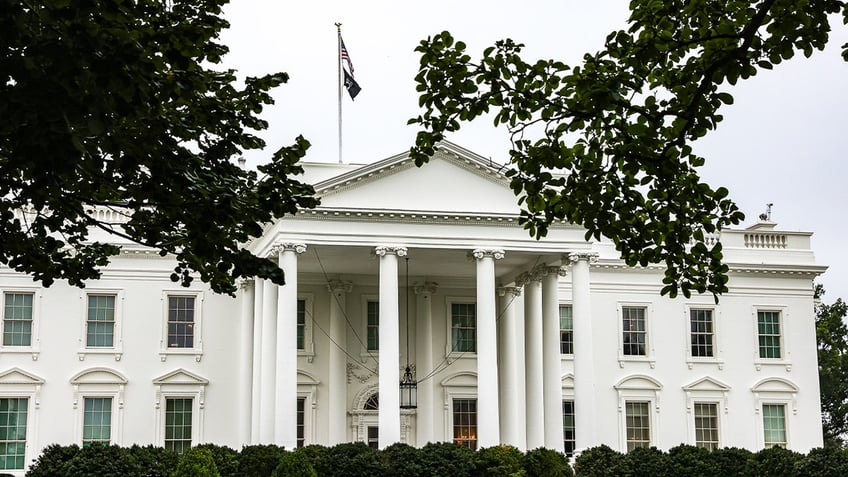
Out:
{"x": 408, "y": 391}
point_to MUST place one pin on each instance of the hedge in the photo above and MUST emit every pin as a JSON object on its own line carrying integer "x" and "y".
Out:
{"x": 432, "y": 460}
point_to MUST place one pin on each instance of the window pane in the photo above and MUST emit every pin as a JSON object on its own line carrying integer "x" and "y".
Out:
{"x": 97, "y": 420}
{"x": 17, "y": 319}
{"x": 638, "y": 422}
{"x": 706, "y": 425}
{"x": 634, "y": 335}
{"x": 301, "y": 324}
{"x": 301, "y": 421}
{"x": 464, "y": 327}
{"x": 701, "y": 325}
{"x": 181, "y": 322}
{"x": 465, "y": 422}
{"x": 373, "y": 326}
{"x": 566, "y": 330}
{"x": 568, "y": 433}
{"x": 774, "y": 425}
{"x": 13, "y": 423}
{"x": 768, "y": 328}
{"x": 178, "y": 424}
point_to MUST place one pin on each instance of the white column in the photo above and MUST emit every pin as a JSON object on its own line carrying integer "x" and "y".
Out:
{"x": 425, "y": 414}
{"x": 508, "y": 364}
{"x": 388, "y": 369}
{"x": 552, "y": 362}
{"x": 245, "y": 384}
{"x": 285, "y": 415}
{"x": 256, "y": 398}
{"x": 488, "y": 423}
{"x": 269, "y": 363}
{"x": 337, "y": 382}
{"x": 533, "y": 375}
{"x": 584, "y": 362}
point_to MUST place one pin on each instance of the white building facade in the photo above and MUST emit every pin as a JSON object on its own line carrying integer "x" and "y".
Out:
{"x": 551, "y": 342}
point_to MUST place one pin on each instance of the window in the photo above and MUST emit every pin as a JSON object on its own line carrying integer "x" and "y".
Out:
{"x": 568, "y": 434}
{"x": 17, "y": 319}
{"x": 180, "y": 322}
{"x": 566, "y": 330}
{"x": 100, "y": 325}
{"x": 634, "y": 332}
{"x": 301, "y": 421}
{"x": 465, "y": 422}
{"x": 701, "y": 327}
{"x": 374, "y": 437}
{"x": 373, "y": 326}
{"x": 301, "y": 325}
{"x": 768, "y": 332}
{"x": 774, "y": 425}
{"x": 638, "y": 419}
{"x": 97, "y": 420}
{"x": 178, "y": 424}
{"x": 463, "y": 327}
{"x": 706, "y": 425}
{"x": 13, "y": 433}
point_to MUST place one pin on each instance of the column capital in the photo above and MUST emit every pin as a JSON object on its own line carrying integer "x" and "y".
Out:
{"x": 514, "y": 291}
{"x": 480, "y": 253}
{"x": 281, "y": 246}
{"x": 587, "y": 256}
{"x": 553, "y": 270}
{"x": 384, "y": 250}
{"x": 343, "y": 286}
{"x": 533, "y": 275}
{"x": 428, "y": 288}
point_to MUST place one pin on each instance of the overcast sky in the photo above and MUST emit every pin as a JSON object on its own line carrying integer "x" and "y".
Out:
{"x": 783, "y": 141}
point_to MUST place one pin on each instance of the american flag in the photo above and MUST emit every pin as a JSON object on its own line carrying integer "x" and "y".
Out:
{"x": 346, "y": 57}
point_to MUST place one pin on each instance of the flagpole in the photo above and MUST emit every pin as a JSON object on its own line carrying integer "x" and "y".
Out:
{"x": 339, "y": 83}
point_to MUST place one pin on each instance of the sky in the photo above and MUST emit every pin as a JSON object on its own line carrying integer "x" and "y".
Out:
{"x": 783, "y": 141}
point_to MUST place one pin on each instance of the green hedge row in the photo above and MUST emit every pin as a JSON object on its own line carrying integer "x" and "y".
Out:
{"x": 440, "y": 459}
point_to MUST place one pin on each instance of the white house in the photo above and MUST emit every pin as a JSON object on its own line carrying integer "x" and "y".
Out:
{"x": 513, "y": 340}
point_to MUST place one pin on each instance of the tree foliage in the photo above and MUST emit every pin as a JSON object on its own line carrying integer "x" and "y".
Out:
{"x": 832, "y": 338}
{"x": 116, "y": 104}
{"x": 608, "y": 144}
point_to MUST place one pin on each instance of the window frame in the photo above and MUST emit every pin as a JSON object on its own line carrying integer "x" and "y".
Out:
{"x": 197, "y": 334}
{"x": 449, "y": 351}
{"x": 775, "y": 391}
{"x": 99, "y": 382}
{"x": 651, "y": 431}
{"x": 707, "y": 390}
{"x": 308, "y": 350}
{"x": 364, "y": 352}
{"x": 34, "y": 347}
{"x": 180, "y": 384}
{"x": 117, "y": 348}
{"x": 307, "y": 388}
{"x": 17, "y": 383}
{"x": 717, "y": 358}
{"x": 573, "y": 414}
{"x": 452, "y": 428}
{"x": 639, "y": 388}
{"x": 718, "y": 424}
{"x": 784, "y": 405}
{"x": 26, "y": 440}
{"x": 649, "y": 356}
{"x": 562, "y": 330}
{"x": 785, "y": 354}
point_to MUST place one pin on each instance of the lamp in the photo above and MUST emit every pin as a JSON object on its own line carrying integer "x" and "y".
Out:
{"x": 408, "y": 384}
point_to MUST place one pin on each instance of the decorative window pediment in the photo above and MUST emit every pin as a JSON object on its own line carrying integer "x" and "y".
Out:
{"x": 568, "y": 381}
{"x": 775, "y": 385}
{"x": 706, "y": 384}
{"x": 461, "y": 379}
{"x": 98, "y": 376}
{"x": 638, "y": 382}
{"x": 19, "y": 376}
{"x": 182, "y": 377}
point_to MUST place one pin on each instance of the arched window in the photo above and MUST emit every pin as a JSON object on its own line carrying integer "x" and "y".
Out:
{"x": 372, "y": 403}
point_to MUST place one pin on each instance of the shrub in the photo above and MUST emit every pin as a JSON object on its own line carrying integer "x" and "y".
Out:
{"x": 351, "y": 459}
{"x": 403, "y": 460}
{"x": 153, "y": 461}
{"x": 99, "y": 460}
{"x": 646, "y": 462}
{"x": 827, "y": 462}
{"x": 691, "y": 461}
{"x": 732, "y": 461}
{"x": 446, "y": 459}
{"x": 599, "y": 461}
{"x": 545, "y": 462}
{"x": 294, "y": 464}
{"x": 259, "y": 460}
{"x": 196, "y": 462}
{"x": 499, "y": 461}
{"x": 226, "y": 459}
{"x": 774, "y": 462}
{"x": 52, "y": 459}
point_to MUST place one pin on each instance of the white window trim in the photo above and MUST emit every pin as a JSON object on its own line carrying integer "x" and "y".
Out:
{"x": 707, "y": 390}
{"x": 785, "y": 359}
{"x": 449, "y": 353}
{"x": 364, "y": 354}
{"x": 362, "y": 419}
{"x": 17, "y": 383}
{"x": 775, "y": 391}
{"x": 718, "y": 353}
{"x": 34, "y": 348}
{"x": 98, "y": 383}
{"x": 649, "y": 356}
{"x": 308, "y": 350}
{"x": 117, "y": 348}
{"x": 461, "y": 385}
{"x": 568, "y": 357}
{"x": 567, "y": 381}
{"x": 639, "y": 388}
{"x": 307, "y": 387}
{"x": 197, "y": 350}
{"x": 180, "y": 384}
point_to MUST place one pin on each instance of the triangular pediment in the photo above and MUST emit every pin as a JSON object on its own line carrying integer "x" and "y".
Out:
{"x": 454, "y": 181}
{"x": 99, "y": 376}
{"x": 706, "y": 384}
{"x": 180, "y": 376}
{"x": 19, "y": 376}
